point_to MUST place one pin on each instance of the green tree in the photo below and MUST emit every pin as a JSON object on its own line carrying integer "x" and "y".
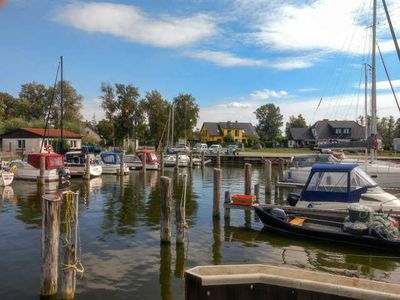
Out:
{"x": 185, "y": 116}
{"x": 295, "y": 122}
{"x": 8, "y": 106}
{"x": 269, "y": 121}
{"x": 34, "y": 101}
{"x": 106, "y": 131}
{"x": 228, "y": 139}
{"x": 156, "y": 109}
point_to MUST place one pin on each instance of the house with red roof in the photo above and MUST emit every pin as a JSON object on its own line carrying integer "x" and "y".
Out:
{"x": 29, "y": 140}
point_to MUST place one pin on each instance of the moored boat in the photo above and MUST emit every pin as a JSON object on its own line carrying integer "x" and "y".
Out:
{"x": 170, "y": 160}
{"x": 75, "y": 161}
{"x": 6, "y": 178}
{"x": 111, "y": 163}
{"x": 152, "y": 162}
{"x": 133, "y": 162}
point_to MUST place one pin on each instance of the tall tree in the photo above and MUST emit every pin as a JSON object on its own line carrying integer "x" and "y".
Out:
{"x": 269, "y": 121}
{"x": 295, "y": 122}
{"x": 34, "y": 101}
{"x": 156, "y": 109}
{"x": 8, "y": 106}
{"x": 185, "y": 116}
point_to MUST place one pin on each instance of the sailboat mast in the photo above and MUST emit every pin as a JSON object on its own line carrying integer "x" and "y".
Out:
{"x": 172, "y": 124}
{"x": 373, "y": 67}
{"x": 391, "y": 29}
{"x": 62, "y": 105}
{"x": 366, "y": 102}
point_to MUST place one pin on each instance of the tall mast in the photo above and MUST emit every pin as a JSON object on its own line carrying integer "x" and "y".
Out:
{"x": 373, "y": 67}
{"x": 172, "y": 124}
{"x": 62, "y": 105}
{"x": 366, "y": 102}
{"x": 391, "y": 29}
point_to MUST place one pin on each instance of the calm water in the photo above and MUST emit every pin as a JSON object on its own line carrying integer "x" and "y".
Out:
{"x": 121, "y": 252}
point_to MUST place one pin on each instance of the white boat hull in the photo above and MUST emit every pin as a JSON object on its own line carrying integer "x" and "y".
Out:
{"x": 80, "y": 170}
{"x": 113, "y": 169}
{"x": 6, "y": 178}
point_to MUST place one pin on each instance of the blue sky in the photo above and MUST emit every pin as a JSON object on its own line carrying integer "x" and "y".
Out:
{"x": 231, "y": 55}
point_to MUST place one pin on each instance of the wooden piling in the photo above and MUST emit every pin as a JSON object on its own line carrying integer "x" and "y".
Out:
{"x": 218, "y": 160}
{"x": 227, "y": 213}
{"x": 180, "y": 216}
{"x": 281, "y": 169}
{"x": 50, "y": 236}
{"x": 177, "y": 160}
{"x": 190, "y": 159}
{"x": 122, "y": 165}
{"x": 68, "y": 273}
{"x": 202, "y": 159}
{"x": 86, "y": 174}
{"x": 247, "y": 179}
{"x": 144, "y": 162}
{"x": 257, "y": 191}
{"x": 41, "y": 178}
{"x": 166, "y": 209}
{"x": 268, "y": 176}
{"x": 217, "y": 192}
{"x": 162, "y": 163}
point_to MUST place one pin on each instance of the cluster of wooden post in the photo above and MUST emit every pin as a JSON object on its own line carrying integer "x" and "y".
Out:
{"x": 51, "y": 208}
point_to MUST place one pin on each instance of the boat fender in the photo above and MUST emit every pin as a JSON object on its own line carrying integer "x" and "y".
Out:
{"x": 13, "y": 169}
{"x": 278, "y": 213}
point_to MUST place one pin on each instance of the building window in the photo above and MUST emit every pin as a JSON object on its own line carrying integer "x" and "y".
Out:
{"x": 229, "y": 132}
{"x": 346, "y": 130}
{"x": 236, "y": 132}
{"x": 73, "y": 144}
{"x": 21, "y": 144}
{"x": 338, "y": 131}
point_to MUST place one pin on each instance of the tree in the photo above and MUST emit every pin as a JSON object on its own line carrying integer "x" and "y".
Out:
{"x": 34, "y": 101}
{"x": 106, "y": 131}
{"x": 8, "y": 106}
{"x": 295, "y": 122}
{"x": 269, "y": 121}
{"x": 185, "y": 116}
{"x": 156, "y": 109}
{"x": 387, "y": 128}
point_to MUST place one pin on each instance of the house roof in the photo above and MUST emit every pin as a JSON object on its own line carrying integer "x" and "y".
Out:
{"x": 215, "y": 128}
{"x": 51, "y": 132}
{"x": 301, "y": 133}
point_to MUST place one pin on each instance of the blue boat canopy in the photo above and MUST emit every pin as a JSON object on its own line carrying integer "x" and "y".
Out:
{"x": 110, "y": 158}
{"x": 336, "y": 183}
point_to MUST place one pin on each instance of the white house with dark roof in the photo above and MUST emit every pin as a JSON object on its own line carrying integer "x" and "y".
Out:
{"x": 326, "y": 131}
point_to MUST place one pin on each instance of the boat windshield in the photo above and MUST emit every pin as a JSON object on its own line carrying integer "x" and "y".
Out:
{"x": 153, "y": 156}
{"x": 360, "y": 179}
{"x": 111, "y": 159}
{"x": 328, "y": 182}
{"x": 309, "y": 160}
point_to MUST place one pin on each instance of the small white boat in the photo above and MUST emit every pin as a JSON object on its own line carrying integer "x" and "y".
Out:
{"x": 133, "y": 162}
{"x": 29, "y": 169}
{"x": 6, "y": 178}
{"x": 111, "y": 163}
{"x": 75, "y": 161}
{"x": 170, "y": 160}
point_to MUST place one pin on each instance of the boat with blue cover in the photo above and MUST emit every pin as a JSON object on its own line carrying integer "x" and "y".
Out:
{"x": 111, "y": 163}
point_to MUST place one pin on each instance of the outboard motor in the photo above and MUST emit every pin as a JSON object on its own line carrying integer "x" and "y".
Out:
{"x": 63, "y": 174}
{"x": 278, "y": 213}
{"x": 292, "y": 199}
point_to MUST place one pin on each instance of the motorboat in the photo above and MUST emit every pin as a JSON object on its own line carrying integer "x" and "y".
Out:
{"x": 335, "y": 186}
{"x": 6, "y": 177}
{"x": 170, "y": 160}
{"x": 152, "y": 162}
{"x": 363, "y": 230}
{"x": 133, "y": 162}
{"x": 111, "y": 163}
{"x": 384, "y": 173}
{"x": 29, "y": 167}
{"x": 75, "y": 161}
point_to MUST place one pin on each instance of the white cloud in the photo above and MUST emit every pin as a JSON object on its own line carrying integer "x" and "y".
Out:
{"x": 235, "y": 105}
{"x": 129, "y": 22}
{"x": 91, "y": 108}
{"x": 384, "y": 85}
{"x": 226, "y": 59}
{"x": 266, "y": 94}
{"x": 307, "y": 90}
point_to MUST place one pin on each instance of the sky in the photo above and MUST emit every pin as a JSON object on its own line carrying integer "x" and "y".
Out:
{"x": 232, "y": 55}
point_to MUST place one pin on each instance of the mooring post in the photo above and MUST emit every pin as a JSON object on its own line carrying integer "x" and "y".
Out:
{"x": 257, "y": 191}
{"x": 166, "y": 209}
{"x": 68, "y": 273}
{"x": 86, "y": 174}
{"x": 217, "y": 192}
{"x": 276, "y": 194}
{"x": 51, "y": 206}
{"x": 180, "y": 215}
{"x": 162, "y": 163}
{"x": 268, "y": 178}
{"x": 281, "y": 169}
{"x": 247, "y": 179}
{"x": 190, "y": 159}
{"x": 202, "y": 159}
{"x": 122, "y": 165}
{"x": 177, "y": 160}
{"x": 144, "y": 162}
{"x": 218, "y": 160}
{"x": 41, "y": 178}
{"x": 227, "y": 200}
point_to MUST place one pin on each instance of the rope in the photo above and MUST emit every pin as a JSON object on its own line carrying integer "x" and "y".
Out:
{"x": 77, "y": 266}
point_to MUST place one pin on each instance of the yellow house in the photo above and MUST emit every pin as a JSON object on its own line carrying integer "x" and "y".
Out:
{"x": 216, "y": 131}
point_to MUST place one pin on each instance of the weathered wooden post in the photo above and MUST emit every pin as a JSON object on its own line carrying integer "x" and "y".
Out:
{"x": 86, "y": 174}
{"x": 162, "y": 163}
{"x": 41, "y": 178}
{"x": 180, "y": 215}
{"x": 227, "y": 213}
{"x": 217, "y": 192}
{"x": 122, "y": 165}
{"x": 68, "y": 273}
{"x": 257, "y": 191}
{"x": 218, "y": 160}
{"x": 144, "y": 162}
{"x": 50, "y": 236}
{"x": 177, "y": 160}
{"x": 190, "y": 159}
{"x": 268, "y": 177}
{"x": 281, "y": 169}
{"x": 166, "y": 208}
{"x": 202, "y": 159}
{"x": 247, "y": 179}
